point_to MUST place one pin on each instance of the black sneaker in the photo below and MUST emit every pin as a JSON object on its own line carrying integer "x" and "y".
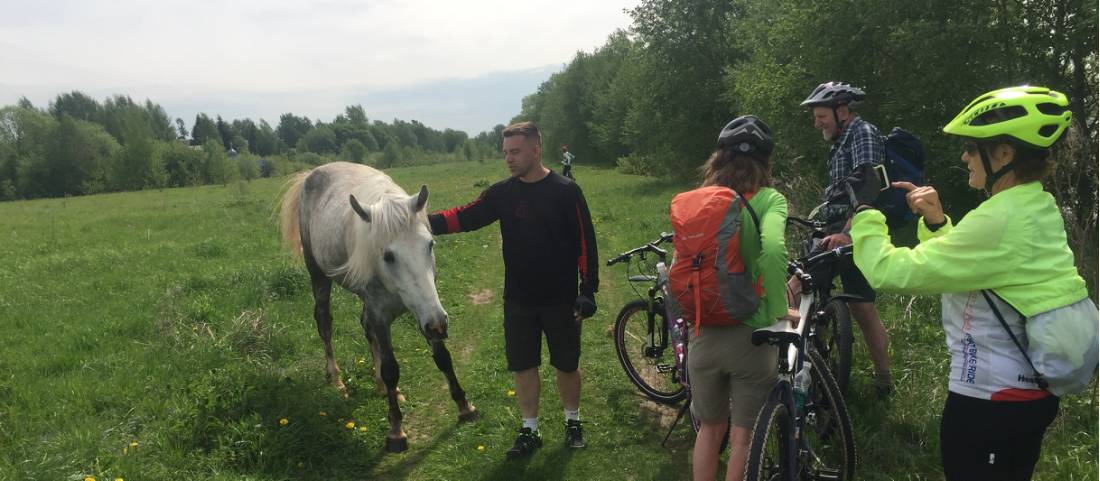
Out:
{"x": 574, "y": 434}
{"x": 526, "y": 443}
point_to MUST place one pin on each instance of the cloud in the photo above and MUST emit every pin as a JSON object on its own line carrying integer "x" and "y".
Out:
{"x": 292, "y": 53}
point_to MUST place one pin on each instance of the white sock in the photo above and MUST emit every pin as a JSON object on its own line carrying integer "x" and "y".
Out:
{"x": 573, "y": 415}
{"x": 532, "y": 423}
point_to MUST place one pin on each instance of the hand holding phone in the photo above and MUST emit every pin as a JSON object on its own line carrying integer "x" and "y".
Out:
{"x": 883, "y": 178}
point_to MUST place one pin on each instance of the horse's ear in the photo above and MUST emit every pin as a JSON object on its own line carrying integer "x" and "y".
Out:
{"x": 363, "y": 214}
{"x": 421, "y": 199}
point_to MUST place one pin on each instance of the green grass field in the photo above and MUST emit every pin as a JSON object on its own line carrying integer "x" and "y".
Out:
{"x": 163, "y": 335}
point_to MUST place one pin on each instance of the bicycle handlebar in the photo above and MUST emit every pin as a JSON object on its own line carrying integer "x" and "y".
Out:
{"x": 797, "y": 266}
{"x": 649, "y": 247}
{"x": 813, "y": 224}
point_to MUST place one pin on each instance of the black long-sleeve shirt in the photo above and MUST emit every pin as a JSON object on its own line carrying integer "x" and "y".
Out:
{"x": 547, "y": 233}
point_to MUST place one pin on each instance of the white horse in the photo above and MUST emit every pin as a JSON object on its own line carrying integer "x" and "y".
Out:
{"x": 381, "y": 250}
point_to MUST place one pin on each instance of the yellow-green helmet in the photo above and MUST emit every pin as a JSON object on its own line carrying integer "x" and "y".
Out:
{"x": 1034, "y": 115}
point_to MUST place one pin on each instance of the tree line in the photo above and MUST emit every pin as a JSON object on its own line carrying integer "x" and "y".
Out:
{"x": 653, "y": 98}
{"x": 78, "y": 146}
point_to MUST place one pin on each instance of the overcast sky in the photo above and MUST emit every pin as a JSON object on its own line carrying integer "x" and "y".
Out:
{"x": 464, "y": 65}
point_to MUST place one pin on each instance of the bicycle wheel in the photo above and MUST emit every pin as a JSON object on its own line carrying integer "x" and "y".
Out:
{"x": 771, "y": 449}
{"x": 827, "y": 430}
{"x": 834, "y": 341}
{"x": 641, "y": 343}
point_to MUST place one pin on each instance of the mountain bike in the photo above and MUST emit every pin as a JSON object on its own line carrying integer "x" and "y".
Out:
{"x": 643, "y": 333}
{"x": 830, "y": 316}
{"x": 803, "y": 431}
{"x": 651, "y": 337}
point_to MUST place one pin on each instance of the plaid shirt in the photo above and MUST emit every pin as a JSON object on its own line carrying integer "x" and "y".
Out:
{"x": 861, "y": 143}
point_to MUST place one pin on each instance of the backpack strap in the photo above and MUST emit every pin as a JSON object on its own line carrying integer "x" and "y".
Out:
{"x": 752, "y": 213}
{"x": 1039, "y": 379}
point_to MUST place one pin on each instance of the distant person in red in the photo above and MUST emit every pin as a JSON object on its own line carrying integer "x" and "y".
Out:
{"x": 566, "y": 162}
{"x": 549, "y": 246}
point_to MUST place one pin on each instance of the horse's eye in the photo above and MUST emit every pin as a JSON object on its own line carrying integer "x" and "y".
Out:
{"x": 388, "y": 257}
{"x": 431, "y": 244}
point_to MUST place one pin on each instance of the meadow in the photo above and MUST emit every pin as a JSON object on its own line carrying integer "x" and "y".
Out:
{"x": 166, "y": 335}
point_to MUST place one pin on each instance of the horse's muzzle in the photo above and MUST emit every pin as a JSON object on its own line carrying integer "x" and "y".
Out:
{"x": 436, "y": 331}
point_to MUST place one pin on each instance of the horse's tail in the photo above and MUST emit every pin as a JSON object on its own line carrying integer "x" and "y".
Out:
{"x": 292, "y": 235}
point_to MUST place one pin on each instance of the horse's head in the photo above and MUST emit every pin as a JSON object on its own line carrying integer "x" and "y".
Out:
{"x": 407, "y": 264}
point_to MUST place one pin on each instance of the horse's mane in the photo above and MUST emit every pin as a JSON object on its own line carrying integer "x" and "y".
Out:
{"x": 391, "y": 216}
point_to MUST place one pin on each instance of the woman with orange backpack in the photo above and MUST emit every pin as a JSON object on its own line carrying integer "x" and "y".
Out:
{"x": 728, "y": 278}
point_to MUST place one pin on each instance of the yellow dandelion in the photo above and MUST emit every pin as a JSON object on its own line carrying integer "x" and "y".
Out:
{"x": 511, "y": 393}
{"x": 284, "y": 422}
{"x": 118, "y": 479}
{"x": 362, "y": 429}
{"x": 350, "y": 425}
{"x": 322, "y": 414}
{"x": 481, "y": 448}
{"x": 361, "y": 361}
{"x": 133, "y": 444}
{"x": 89, "y": 478}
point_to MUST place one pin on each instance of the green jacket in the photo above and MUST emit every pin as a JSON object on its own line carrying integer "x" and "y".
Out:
{"x": 1013, "y": 243}
{"x": 771, "y": 261}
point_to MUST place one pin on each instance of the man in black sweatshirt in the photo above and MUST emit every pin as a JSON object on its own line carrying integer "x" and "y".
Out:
{"x": 548, "y": 245}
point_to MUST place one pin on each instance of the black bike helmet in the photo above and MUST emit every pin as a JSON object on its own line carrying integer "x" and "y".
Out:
{"x": 747, "y": 134}
{"x": 834, "y": 94}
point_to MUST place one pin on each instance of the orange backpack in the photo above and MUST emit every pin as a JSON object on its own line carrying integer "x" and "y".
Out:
{"x": 708, "y": 278}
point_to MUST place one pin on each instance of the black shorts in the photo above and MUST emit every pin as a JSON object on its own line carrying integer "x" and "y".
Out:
{"x": 853, "y": 281}
{"x": 523, "y": 329}
{"x": 983, "y": 439}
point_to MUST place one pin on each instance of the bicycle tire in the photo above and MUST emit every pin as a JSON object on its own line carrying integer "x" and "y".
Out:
{"x": 633, "y": 333}
{"x": 834, "y": 341}
{"x": 772, "y": 445}
{"x": 827, "y": 430}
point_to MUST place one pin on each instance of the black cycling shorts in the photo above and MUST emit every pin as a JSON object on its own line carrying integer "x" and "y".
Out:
{"x": 983, "y": 439}
{"x": 523, "y": 329}
{"x": 853, "y": 281}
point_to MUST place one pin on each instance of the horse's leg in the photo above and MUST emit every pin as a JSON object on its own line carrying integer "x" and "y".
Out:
{"x": 376, "y": 354}
{"x": 442, "y": 358}
{"x": 322, "y": 313}
{"x": 396, "y": 441}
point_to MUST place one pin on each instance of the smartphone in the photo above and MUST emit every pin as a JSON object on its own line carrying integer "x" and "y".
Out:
{"x": 883, "y": 179}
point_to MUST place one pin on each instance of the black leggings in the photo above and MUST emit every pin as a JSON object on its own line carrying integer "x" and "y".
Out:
{"x": 982, "y": 439}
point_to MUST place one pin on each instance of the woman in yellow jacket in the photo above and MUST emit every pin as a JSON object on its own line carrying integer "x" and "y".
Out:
{"x": 1013, "y": 244}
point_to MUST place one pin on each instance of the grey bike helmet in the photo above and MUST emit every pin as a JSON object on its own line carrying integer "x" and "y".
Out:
{"x": 834, "y": 94}
{"x": 747, "y": 134}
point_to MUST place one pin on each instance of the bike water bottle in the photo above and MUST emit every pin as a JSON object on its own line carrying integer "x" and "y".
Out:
{"x": 801, "y": 385}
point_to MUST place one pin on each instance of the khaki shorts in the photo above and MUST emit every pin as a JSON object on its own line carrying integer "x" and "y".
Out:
{"x": 725, "y": 368}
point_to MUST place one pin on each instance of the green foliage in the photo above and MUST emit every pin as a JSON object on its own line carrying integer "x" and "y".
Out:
{"x": 653, "y": 99}
{"x": 183, "y": 165}
{"x": 391, "y": 155}
{"x": 204, "y": 130}
{"x": 354, "y": 150}
{"x": 291, "y": 128}
{"x": 319, "y": 140}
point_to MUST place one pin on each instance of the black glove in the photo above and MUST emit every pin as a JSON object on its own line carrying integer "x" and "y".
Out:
{"x": 585, "y": 305}
{"x": 863, "y": 186}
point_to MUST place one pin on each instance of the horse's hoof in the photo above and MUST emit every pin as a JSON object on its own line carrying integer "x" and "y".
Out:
{"x": 472, "y": 415}
{"x": 397, "y": 445}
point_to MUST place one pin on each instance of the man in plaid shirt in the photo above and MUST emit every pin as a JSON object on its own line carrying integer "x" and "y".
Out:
{"x": 855, "y": 142}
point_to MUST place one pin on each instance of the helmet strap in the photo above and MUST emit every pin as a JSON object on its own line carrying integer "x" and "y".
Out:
{"x": 990, "y": 176}
{"x": 839, "y": 128}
